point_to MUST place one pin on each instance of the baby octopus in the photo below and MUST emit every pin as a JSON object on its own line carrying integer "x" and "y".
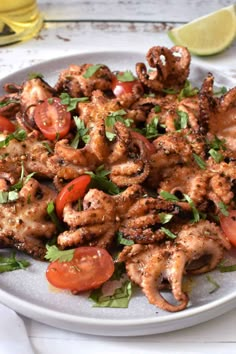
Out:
{"x": 151, "y": 266}
{"x": 171, "y": 68}
{"x": 24, "y": 223}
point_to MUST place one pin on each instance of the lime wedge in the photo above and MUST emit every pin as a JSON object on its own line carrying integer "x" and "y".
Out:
{"x": 209, "y": 34}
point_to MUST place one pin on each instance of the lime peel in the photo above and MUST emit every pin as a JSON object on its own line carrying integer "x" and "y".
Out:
{"x": 207, "y": 35}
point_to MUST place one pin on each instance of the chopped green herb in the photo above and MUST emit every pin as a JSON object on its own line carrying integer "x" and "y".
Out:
{"x": 120, "y": 298}
{"x": 92, "y": 70}
{"x": 182, "y": 121}
{"x": 223, "y": 208}
{"x": 196, "y": 215}
{"x": 201, "y": 163}
{"x": 35, "y": 76}
{"x": 126, "y": 76}
{"x": 227, "y": 268}
{"x": 101, "y": 181}
{"x": 71, "y": 102}
{"x": 8, "y": 264}
{"x": 168, "y": 196}
{"x": 214, "y": 283}
{"x": 81, "y": 133}
{"x": 6, "y": 197}
{"x": 216, "y": 155}
{"x": 217, "y": 143}
{"x": 48, "y": 147}
{"x": 151, "y": 129}
{"x": 7, "y": 102}
{"x": 187, "y": 91}
{"x": 165, "y": 218}
{"x": 123, "y": 241}
{"x": 52, "y": 213}
{"x": 54, "y": 254}
{"x": 19, "y": 135}
{"x": 168, "y": 233}
{"x": 157, "y": 108}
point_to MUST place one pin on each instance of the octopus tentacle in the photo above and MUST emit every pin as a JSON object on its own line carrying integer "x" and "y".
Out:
{"x": 153, "y": 275}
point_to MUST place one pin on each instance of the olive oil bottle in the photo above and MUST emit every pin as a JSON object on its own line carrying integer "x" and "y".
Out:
{"x": 19, "y": 20}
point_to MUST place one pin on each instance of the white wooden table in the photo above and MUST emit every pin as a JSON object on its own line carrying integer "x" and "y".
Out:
{"x": 76, "y": 26}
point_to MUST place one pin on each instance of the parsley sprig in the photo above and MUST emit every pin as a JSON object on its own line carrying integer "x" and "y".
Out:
{"x": 173, "y": 198}
{"x": 126, "y": 76}
{"x": 71, "y": 102}
{"x": 8, "y": 264}
{"x": 82, "y": 133}
{"x": 101, "y": 181}
{"x": 91, "y": 70}
{"x": 54, "y": 254}
{"x": 112, "y": 118}
{"x": 19, "y": 134}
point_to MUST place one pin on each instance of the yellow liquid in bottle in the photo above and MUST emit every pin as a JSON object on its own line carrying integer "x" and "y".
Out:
{"x": 19, "y": 20}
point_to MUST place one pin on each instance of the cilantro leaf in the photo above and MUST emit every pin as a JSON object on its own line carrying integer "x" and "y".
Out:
{"x": 120, "y": 298}
{"x": 196, "y": 214}
{"x": 187, "y": 91}
{"x": 223, "y": 208}
{"x": 53, "y": 216}
{"x": 151, "y": 129}
{"x": 71, "y": 102}
{"x": 7, "y": 102}
{"x": 54, "y": 254}
{"x": 101, "y": 181}
{"x": 19, "y": 135}
{"x": 168, "y": 196}
{"x": 92, "y": 70}
{"x": 123, "y": 241}
{"x": 168, "y": 233}
{"x": 81, "y": 133}
{"x": 201, "y": 163}
{"x": 216, "y": 155}
{"x": 8, "y": 264}
{"x": 35, "y": 75}
{"x": 182, "y": 121}
{"x": 8, "y": 196}
{"x": 165, "y": 218}
{"x": 114, "y": 117}
{"x": 227, "y": 268}
{"x": 126, "y": 76}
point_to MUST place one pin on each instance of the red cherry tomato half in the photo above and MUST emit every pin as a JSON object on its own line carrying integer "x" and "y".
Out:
{"x": 228, "y": 225}
{"x": 52, "y": 119}
{"x": 6, "y": 125}
{"x": 71, "y": 192}
{"x": 89, "y": 268}
{"x": 149, "y": 146}
{"x": 119, "y": 87}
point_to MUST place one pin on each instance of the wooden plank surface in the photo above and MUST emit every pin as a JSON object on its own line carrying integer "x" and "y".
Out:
{"x": 129, "y": 10}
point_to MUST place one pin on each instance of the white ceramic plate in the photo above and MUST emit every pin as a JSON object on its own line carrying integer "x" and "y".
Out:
{"x": 28, "y": 293}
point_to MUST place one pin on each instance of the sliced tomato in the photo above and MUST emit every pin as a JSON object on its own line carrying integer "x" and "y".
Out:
{"x": 228, "y": 225}
{"x": 149, "y": 146}
{"x": 6, "y": 125}
{"x": 89, "y": 269}
{"x": 52, "y": 118}
{"x": 71, "y": 192}
{"x": 119, "y": 87}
